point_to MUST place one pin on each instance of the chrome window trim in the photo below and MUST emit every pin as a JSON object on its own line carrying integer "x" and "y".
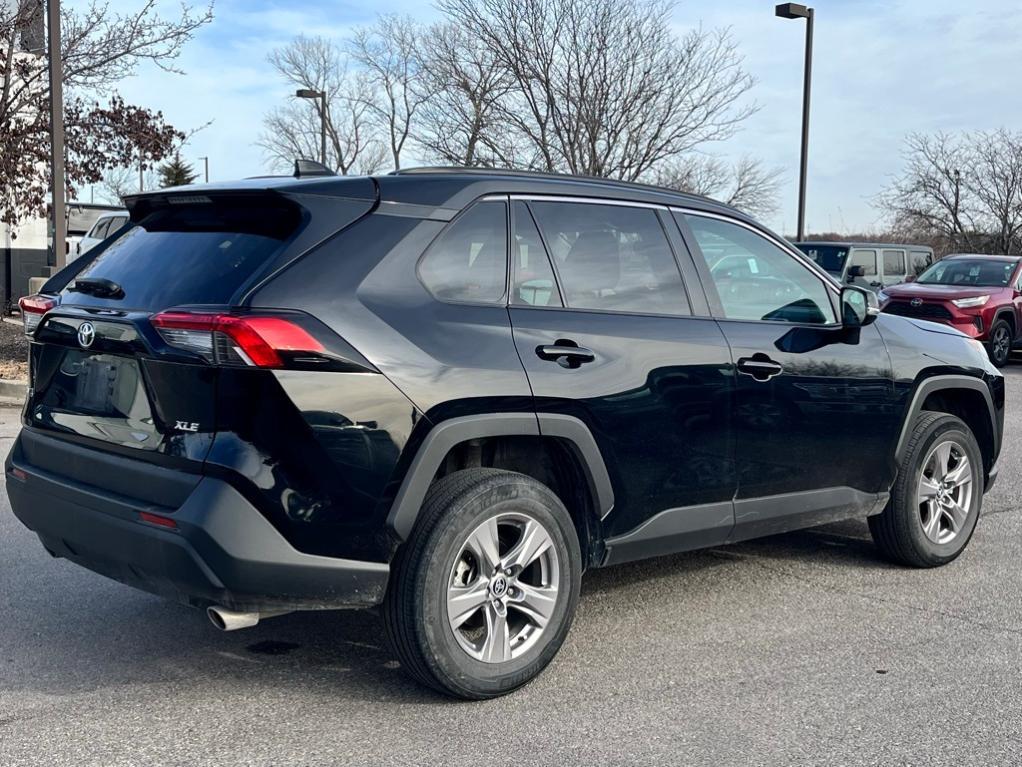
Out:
{"x": 587, "y": 200}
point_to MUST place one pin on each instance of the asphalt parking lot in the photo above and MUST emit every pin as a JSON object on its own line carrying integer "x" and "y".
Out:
{"x": 799, "y": 649}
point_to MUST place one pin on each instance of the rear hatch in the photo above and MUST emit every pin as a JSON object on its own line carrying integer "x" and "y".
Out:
{"x": 129, "y": 358}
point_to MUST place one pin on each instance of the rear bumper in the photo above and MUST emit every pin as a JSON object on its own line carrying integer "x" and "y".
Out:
{"x": 222, "y": 550}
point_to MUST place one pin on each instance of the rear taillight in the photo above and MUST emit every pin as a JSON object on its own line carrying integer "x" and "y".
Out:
{"x": 229, "y": 339}
{"x": 32, "y": 310}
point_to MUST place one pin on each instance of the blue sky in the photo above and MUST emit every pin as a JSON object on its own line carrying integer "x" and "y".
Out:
{"x": 881, "y": 70}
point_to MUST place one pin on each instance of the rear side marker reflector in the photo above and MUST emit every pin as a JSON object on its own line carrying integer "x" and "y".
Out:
{"x": 156, "y": 519}
{"x": 19, "y": 474}
{"x": 228, "y": 339}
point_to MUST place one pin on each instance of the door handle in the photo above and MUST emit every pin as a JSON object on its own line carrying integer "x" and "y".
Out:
{"x": 876, "y": 284}
{"x": 760, "y": 367}
{"x": 567, "y": 354}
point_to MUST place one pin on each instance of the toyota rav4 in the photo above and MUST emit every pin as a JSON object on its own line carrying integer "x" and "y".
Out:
{"x": 978, "y": 295}
{"x": 449, "y": 393}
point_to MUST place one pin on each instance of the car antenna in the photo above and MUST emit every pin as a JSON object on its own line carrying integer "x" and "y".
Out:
{"x": 307, "y": 168}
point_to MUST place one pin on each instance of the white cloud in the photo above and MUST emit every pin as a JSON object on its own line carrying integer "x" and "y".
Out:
{"x": 881, "y": 70}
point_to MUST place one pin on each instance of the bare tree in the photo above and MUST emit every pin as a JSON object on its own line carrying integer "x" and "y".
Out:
{"x": 965, "y": 189}
{"x": 116, "y": 183}
{"x": 293, "y": 130}
{"x": 747, "y": 184}
{"x": 99, "y": 47}
{"x": 605, "y": 87}
{"x": 463, "y": 82}
{"x": 388, "y": 52}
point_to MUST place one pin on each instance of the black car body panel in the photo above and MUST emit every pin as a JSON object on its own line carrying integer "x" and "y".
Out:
{"x": 293, "y": 485}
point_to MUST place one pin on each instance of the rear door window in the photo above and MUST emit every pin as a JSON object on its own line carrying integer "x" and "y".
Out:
{"x": 894, "y": 263}
{"x": 191, "y": 254}
{"x": 612, "y": 258}
{"x": 535, "y": 284}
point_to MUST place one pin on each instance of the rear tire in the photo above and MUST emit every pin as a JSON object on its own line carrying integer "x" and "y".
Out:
{"x": 936, "y": 499}
{"x": 483, "y": 594}
{"x": 999, "y": 346}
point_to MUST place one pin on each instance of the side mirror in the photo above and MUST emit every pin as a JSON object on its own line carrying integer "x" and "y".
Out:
{"x": 911, "y": 277}
{"x": 858, "y": 307}
{"x": 856, "y": 271}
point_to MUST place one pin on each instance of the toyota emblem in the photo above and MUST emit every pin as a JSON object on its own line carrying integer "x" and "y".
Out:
{"x": 916, "y": 302}
{"x": 86, "y": 335}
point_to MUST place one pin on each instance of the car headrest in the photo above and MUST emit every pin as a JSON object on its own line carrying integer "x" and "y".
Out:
{"x": 593, "y": 263}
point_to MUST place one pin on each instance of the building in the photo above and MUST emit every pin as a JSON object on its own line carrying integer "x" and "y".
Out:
{"x": 26, "y": 252}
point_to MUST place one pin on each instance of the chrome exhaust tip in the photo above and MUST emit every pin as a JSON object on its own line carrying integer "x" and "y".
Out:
{"x": 230, "y": 620}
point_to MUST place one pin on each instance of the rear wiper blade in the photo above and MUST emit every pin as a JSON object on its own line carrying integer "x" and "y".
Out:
{"x": 99, "y": 287}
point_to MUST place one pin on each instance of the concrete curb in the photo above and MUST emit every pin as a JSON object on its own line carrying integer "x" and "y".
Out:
{"x": 13, "y": 393}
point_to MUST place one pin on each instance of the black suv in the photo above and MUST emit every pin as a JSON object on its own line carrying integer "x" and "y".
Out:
{"x": 448, "y": 393}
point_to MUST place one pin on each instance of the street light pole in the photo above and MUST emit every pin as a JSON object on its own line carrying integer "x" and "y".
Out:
{"x": 322, "y": 127}
{"x": 58, "y": 184}
{"x": 796, "y": 11}
{"x": 205, "y": 161}
{"x": 309, "y": 93}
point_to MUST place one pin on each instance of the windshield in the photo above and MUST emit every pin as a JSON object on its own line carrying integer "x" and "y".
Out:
{"x": 829, "y": 257}
{"x": 969, "y": 272}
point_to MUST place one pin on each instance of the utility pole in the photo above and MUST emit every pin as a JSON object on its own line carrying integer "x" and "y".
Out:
{"x": 205, "y": 161}
{"x": 58, "y": 183}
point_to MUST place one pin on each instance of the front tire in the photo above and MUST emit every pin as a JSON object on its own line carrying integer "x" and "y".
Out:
{"x": 483, "y": 594}
{"x": 936, "y": 499}
{"x": 1001, "y": 340}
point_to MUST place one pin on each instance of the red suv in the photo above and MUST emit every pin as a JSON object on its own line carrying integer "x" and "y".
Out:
{"x": 978, "y": 295}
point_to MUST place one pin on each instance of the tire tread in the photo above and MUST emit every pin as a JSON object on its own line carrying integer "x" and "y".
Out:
{"x": 890, "y": 529}
{"x": 398, "y": 607}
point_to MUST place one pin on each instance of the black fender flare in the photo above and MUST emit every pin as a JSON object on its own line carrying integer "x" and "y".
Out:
{"x": 1006, "y": 312}
{"x": 445, "y": 435}
{"x": 940, "y": 383}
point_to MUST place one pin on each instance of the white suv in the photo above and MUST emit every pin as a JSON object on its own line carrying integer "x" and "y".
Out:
{"x": 107, "y": 223}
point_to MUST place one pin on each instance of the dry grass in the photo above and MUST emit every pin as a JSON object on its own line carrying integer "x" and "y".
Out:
{"x": 13, "y": 352}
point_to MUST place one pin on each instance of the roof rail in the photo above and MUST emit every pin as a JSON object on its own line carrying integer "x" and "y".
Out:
{"x": 477, "y": 171}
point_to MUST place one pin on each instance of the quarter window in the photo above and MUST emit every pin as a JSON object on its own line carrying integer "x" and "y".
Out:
{"x": 468, "y": 261}
{"x": 755, "y": 279}
{"x": 612, "y": 257}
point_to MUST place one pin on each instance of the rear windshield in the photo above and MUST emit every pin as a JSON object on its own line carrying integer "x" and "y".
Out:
{"x": 830, "y": 258}
{"x": 191, "y": 254}
{"x": 969, "y": 272}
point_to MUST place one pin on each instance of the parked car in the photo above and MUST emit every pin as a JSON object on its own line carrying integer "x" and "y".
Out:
{"x": 979, "y": 295}
{"x": 869, "y": 265}
{"x": 449, "y": 393}
{"x": 106, "y": 224}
